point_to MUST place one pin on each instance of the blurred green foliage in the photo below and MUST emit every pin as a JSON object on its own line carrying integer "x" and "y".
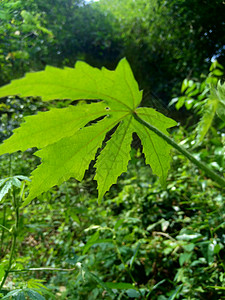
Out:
{"x": 36, "y": 33}
{"x": 164, "y": 41}
{"x": 205, "y": 98}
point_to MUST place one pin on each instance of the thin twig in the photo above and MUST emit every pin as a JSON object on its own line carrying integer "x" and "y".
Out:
{"x": 44, "y": 269}
{"x": 164, "y": 234}
{"x": 213, "y": 175}
{"x": 5, "y": 228}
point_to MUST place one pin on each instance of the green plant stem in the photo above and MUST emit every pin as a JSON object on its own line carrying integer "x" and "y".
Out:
{"x": 121, "y": 258}
{"x": 3, "y": 227}
{"x": 213, "y": 175}
{"x": 10, "y": 165}
{"x": 4, "y": 211}
{"x": 43, "y": 269}
{"x": 13, "y": 247}
{"x": 10, "y": 261}
{"x": 125, "y": 266}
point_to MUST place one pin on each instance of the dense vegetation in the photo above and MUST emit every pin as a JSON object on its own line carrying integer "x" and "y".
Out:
{"x": 145, "y": 240}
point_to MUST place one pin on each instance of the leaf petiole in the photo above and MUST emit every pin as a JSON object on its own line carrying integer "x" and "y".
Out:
{"x": 213, "y": 175}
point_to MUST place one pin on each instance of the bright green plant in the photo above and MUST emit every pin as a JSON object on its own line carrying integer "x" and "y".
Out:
{"x": 69, "y": 138}
{"x": 33, "y": 288}
{"x": 205, "y": 98}
{"x": 81, "y": 142}
{"x": 195, "y": 93}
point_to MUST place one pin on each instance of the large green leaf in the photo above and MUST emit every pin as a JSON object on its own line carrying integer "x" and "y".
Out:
{"x": 69, "y": 138}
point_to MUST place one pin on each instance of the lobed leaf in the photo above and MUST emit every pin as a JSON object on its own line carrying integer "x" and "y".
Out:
{"x": 34, "y": 295}
{"x": 70, "y": 138}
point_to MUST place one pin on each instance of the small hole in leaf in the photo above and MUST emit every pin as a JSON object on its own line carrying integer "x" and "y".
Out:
{"x": 107, "y": 108}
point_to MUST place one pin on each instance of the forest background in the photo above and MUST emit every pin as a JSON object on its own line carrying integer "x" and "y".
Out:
{"x": 149, "y": 241}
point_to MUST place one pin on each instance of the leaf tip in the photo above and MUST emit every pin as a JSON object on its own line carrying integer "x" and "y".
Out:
{"x": 27, "y": 201}
{"x": 100, "y": 197}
